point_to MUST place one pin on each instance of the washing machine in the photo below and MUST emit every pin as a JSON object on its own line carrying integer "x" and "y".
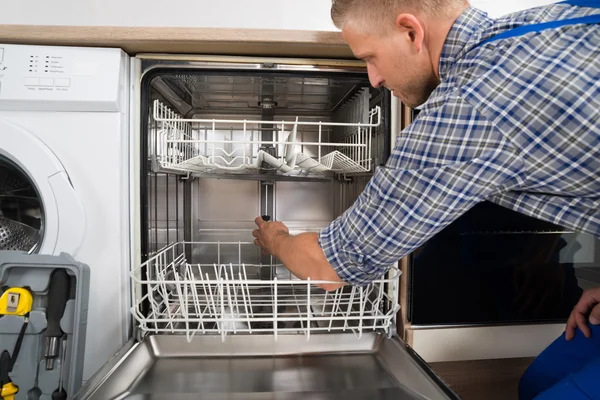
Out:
{"x": 64, "y": 172}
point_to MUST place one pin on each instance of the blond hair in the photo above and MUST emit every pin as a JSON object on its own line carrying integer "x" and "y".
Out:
{"x": 371, "y": 16}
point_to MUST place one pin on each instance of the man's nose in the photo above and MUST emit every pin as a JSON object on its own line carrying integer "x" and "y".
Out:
{"x": 374, "y": 76}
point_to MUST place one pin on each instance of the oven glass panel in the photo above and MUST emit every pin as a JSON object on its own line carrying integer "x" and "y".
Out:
{"x": 497, "y": 266}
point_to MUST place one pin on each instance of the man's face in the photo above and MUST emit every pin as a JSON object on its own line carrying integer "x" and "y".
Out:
{"x": 395, "y": 62}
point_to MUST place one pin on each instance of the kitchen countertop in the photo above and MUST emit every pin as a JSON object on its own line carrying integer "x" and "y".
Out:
{"x": 256, "y": 42}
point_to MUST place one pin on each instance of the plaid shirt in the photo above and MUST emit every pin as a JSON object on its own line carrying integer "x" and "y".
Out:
{"x": 515, "y": 122}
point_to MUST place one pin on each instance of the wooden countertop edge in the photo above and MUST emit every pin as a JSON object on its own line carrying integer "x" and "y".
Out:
{"x": 183, "y": 40}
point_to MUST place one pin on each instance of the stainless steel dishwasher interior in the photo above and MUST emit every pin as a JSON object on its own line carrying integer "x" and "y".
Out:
{"x": 257, "y": 367}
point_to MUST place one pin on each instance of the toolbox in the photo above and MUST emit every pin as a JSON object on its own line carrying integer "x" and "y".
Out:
{"x": 43, "y": 317}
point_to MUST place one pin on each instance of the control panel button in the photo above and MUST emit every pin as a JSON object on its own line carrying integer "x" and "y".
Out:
{"x": 46, "y": 82}
{"x": 32, "y": 81}
{"x": 62, "y": 82}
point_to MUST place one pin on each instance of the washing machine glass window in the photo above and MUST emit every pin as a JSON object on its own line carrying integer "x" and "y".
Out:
{"x": 21, "y": 210}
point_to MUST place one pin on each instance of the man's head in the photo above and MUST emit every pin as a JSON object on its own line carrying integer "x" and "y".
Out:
{"x": 400, "y": 40}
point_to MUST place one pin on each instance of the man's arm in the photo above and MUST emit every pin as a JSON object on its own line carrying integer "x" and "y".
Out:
{"x": 301, "y": 254}
{"x": 448, "y": 160}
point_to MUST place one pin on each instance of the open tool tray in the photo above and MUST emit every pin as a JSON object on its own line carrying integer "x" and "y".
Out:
{"x": 60, "y": 345}
{"x": 236, "y": 146}
{"x": 233, "y": 297}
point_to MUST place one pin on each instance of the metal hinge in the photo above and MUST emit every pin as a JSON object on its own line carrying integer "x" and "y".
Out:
{"x": 138, "y": 334}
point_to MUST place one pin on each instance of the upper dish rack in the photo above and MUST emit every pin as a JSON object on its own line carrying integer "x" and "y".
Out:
{"x": 235, "y": 146}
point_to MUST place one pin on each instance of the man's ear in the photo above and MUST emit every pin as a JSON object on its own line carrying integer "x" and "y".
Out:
{"x": 412, "y": 27}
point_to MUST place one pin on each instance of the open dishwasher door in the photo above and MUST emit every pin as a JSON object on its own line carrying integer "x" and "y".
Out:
{"x": 328, "y": 366}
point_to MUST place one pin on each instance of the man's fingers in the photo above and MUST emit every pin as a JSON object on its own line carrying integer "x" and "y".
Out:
{"x": 255, "y": 233}
{"x": 585, "y": 303}
{"x": 259, "y": 221}
{"x": 595, "y": 315}
{"x": 571, "y": 327}
{"x": 583, "y": 324}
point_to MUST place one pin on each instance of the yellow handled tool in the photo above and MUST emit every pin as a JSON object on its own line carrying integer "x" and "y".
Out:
{"x": 16, "y": 301}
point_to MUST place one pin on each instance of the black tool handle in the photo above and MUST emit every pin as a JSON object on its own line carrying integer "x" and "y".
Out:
{"x": 57, "y": 299}
{"x": 4, "y": 368}
{"x": 266, "y": 218}
{"x": 59, "y": 394}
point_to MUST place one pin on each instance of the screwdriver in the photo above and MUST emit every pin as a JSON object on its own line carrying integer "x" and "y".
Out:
{"x": 60, "y": 393}
{"x": 57, "y": 300}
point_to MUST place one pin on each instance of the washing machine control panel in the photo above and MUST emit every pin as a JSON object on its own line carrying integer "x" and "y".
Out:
{"x": 61, "y": 78}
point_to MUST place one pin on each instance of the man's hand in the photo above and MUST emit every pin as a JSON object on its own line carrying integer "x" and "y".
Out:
{"x": 587, "y": 307}
{"x": 301, "y": 254}
{"x": 269, "y": 235}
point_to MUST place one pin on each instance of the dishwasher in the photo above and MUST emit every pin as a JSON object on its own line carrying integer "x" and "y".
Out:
{"x": 220, "y": 141}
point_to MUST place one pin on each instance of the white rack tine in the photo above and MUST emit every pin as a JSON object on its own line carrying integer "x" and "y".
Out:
{"x": 230, "y": 304}
{"x": 245, "y": 303}
{"x": 248, "y": 290}
{"x": 219, "y": 255}
{"x": 222, "y": 300}
{"x": 237, "y": 304}
{"x": 298, "y": 305}
{"x": 183, "y": 299}
{"x": 308, "y": 325}
{"x": 212, "y": 300}
{"x": 336, "y": 300}
{"x": 275, "y": 327}
{"x": 362, "y": 312}
{"x": 379, "y": 297}
{"x": 244, "y": 139}
{"x": 198, "y": 305}
{"x": 164, "y": 293}
{"x": 239, "y": 253}
{"x": 349, "y": 308}
{"x": 214, "y": 134}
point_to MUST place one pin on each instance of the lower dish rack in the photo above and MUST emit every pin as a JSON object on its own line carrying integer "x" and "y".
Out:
{"x": 173, "y": 295}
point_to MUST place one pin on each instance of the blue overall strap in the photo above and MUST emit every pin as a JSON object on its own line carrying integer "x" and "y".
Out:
{"x": 522, "y": 30}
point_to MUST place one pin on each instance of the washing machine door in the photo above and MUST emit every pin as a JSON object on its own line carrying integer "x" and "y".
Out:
{"x": 39, "y": 209}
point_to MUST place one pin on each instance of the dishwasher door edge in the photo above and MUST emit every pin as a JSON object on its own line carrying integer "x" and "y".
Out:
{"x": 97, "y": 381}
{"x": 395, "y": 366}
{"x": 397, "y": 363}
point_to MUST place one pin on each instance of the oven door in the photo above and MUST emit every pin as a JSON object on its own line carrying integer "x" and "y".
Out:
{"x": 494, "y": 266}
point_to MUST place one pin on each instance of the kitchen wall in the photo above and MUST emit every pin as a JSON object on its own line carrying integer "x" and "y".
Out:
{"x": 276, "y": 14}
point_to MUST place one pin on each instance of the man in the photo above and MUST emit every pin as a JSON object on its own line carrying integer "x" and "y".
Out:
{"x": 508, "y": 115}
